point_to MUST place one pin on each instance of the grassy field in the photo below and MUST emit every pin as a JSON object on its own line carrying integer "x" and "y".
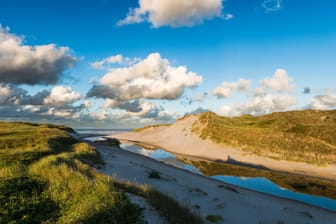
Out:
{"x": 306, "y": 136}
{"x": 46, "y": 176}
{"x": 308, "y": 185}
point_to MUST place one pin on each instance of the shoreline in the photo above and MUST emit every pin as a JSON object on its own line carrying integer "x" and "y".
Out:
{"x": 202, "y": 158}
{"x": 209, "y": 178}
{"x": 195, "y": 189}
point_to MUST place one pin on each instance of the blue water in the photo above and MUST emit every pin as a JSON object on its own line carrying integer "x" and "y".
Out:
{"x": 257, "y": 183}
{"x": 264, "y": 185}
{"x": 160, "y": 155}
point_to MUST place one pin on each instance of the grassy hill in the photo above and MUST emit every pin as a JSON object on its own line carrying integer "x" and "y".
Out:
{"x": 307, "y": 136}
{"x": 46, "y": 176}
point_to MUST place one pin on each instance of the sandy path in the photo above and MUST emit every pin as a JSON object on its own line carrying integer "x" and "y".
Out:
{"x": 179, "y": 139}
{"x": 210, "y": 197}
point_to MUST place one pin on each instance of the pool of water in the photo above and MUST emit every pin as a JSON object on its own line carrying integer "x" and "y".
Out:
{"x": 258, "y": 183}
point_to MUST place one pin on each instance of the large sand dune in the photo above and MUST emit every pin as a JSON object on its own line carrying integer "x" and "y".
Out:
{"x": 179, "y": 139}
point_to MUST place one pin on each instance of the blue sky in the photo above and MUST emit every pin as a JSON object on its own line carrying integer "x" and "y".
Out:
{"x": 135, "y": 62}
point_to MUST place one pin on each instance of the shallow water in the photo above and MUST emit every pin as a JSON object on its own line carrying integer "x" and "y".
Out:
{"x": 257, "y": 183}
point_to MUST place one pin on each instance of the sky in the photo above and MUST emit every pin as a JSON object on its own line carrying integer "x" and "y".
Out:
{"x": 130, "y": 63}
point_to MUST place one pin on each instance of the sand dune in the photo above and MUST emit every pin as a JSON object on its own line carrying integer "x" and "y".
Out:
{"x": 179, "y": 139}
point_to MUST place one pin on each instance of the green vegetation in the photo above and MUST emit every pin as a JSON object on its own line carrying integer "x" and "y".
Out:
{"x": 214, "y": 218}
{"x": 305, "y": 136}
{"x": 308, "y": 185}
{"x": 46, "y": 176}
{"x": 151, "y": 126}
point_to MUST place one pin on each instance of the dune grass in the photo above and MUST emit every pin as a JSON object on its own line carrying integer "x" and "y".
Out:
{"x": 305, "y": 136}
{"x": 46, "y": 176}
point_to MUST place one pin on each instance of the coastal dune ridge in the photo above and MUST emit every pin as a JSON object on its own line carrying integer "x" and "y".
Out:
{"x": 179, "y": 139}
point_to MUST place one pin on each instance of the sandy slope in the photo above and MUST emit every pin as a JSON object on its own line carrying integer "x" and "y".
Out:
{"x": 210, "y": 197}
{"x": 179, "y": 139}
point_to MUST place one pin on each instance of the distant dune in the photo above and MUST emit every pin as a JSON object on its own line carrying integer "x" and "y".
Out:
{"x": 301, "y": 142}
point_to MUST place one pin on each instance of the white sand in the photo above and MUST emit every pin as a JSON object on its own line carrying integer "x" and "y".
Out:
{"x": 179, "y": 139}
{"x": 195, "y": 190}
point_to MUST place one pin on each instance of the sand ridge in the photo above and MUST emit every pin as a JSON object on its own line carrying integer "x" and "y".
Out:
{"x": 179, "y": 139}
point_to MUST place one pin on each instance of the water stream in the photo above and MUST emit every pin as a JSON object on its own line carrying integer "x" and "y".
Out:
{"x": 254, "y": 183}
{"x": 258, "y": 183}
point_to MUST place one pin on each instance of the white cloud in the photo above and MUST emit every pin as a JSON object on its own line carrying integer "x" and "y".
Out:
{"x": 323, "y": 102}
{"x": 23, "y": 64}
{"x": 116, "y": 59}
{"x": 274, "y": 94}
{"x": 260, "y": 105}
{"x": 62, "y": 95}
{"x": 175, "y": 13}
{"x": 271, "y": 5}
{"x": 280, "y": 82}
{"x": 226, "y": 89}
{"x": 151, "y": 78}
{"x": 228, "y": 16}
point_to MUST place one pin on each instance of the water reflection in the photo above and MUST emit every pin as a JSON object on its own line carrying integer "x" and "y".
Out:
{"x": 258, "y": 183}
{"x": 264, "y": 185}
{"x": 161, "y": 155}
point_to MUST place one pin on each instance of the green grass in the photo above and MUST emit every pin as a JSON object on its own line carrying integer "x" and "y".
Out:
{"x": 308, "y": 185}
{"x": 46, "y": 176}
{"x": 305, "y": 136}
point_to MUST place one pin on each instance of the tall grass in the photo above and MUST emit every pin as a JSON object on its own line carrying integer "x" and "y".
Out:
{"x": 305, "y": 136}
{"x": 45, "y": 176}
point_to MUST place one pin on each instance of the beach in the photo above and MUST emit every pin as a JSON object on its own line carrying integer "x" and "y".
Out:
{"x": 206, "y": 196}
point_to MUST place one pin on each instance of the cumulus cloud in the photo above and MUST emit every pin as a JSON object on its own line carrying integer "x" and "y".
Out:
{"x": 279, "y": 82}
{"x": 11, "y": 95}
{"x": 62, "y": 95}
{"x": 23, "y": 64}
{"x": 131, "y": 106}
{"x": 227, "y": 88}
{"x": 323, "y": 102}
{"x": 174, "y": 13}
{"x": 274, "y": 94}
{"x": 260, "y": 105}
{"x": 151, "y": 78}
{"x": 271, "y": 5}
